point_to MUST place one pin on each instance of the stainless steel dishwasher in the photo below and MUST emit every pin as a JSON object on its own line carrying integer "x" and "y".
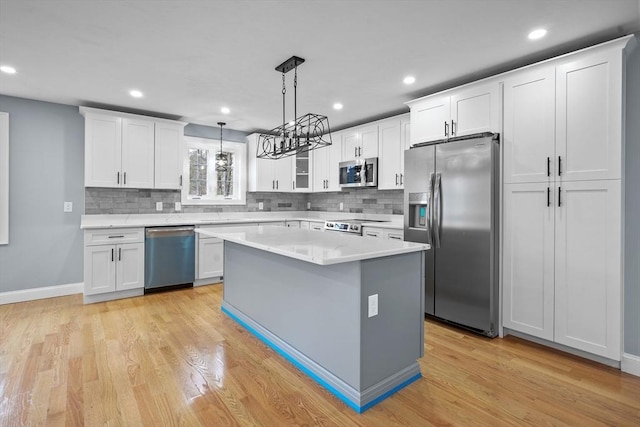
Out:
{"x": 169, "y": 257}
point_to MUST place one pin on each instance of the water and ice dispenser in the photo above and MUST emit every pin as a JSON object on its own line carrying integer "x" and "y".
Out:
{"x": 419, "y": 210}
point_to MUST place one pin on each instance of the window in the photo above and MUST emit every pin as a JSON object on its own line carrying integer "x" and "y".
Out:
{"x": 206, "y": 185}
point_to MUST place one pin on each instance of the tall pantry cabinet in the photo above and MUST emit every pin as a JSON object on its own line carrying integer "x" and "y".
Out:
{"x": 562, "y": 245}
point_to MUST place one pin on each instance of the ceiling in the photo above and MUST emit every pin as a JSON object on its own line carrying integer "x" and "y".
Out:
{"x": 190, "y": 58}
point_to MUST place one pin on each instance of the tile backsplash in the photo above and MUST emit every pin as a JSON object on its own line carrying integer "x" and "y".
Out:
{"x": 101, "y": 201}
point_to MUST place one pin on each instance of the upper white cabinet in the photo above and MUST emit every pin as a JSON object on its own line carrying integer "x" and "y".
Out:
{"x": 268, "y": 174}
{"x": 393, "y": 137}
{"x": 129, "y": 151}
{"x": 168, "y": 161}
{"x": 472, "y": 109}
{"x": 529, "y": 125}
{"x": 563, "y": 120}
{"x": 325, "y": 165}
{"x": 302, "y": 171}
{"x": 360, "y": 142}
{"x": 589, "y": 116}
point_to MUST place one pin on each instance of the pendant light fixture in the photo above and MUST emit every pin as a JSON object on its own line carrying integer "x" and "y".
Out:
{"x": 222, "y": 161}
{"x": 304, "y": 133}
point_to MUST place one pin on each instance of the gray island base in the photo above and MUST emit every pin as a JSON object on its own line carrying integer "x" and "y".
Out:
{"x": 316, "y": 313}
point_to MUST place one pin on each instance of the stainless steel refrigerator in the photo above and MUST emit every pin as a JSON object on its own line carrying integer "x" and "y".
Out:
{"x": 451, "y": 197}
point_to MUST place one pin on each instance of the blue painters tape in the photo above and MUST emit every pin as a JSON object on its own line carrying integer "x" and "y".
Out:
{"x": 359, "y": 409}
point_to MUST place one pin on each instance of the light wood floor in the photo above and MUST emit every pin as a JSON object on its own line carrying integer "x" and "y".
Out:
{"x": 174, "y": 359}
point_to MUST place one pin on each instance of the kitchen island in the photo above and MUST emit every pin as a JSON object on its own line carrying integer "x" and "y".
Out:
{"x": 347, "y": 311}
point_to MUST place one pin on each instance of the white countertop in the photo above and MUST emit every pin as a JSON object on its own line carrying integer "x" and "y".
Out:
{"x": 319, "y": 248}
{"x": 213, "y": 218}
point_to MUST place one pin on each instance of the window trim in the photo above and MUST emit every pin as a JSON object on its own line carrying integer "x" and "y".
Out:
{"x": 240, "y": 168}
{"x": 4, "y": 178}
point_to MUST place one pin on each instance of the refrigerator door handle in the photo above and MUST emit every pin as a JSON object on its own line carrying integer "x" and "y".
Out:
{"x": 437, "y": 202}
{"x": 430, "y": 212}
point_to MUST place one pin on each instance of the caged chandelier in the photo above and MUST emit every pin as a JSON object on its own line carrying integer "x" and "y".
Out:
{"x": 305, "y": 133}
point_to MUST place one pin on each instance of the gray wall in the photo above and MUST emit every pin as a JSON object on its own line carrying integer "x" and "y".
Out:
{"x": 46, "y": 167}
{"x": 632, "y": 210}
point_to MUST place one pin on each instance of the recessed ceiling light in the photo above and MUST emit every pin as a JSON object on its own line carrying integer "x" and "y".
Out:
{"x": 225, "y": 110}
{"x": 136, "y": 93}
{"x": 537, "y": 34}
{"x": 7, "y": 69}
{"x": 409, "y": 80}
{"x": 337, "y": 106}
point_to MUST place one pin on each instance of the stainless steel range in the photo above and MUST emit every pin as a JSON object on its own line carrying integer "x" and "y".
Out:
{"x": 353, "y": 226}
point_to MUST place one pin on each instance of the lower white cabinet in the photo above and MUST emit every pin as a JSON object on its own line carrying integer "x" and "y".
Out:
{"x": 210, "y": 257}
{"x": 561, "y": 263}
{"x": 293, "y": 224}
{"x": 116, "y": 266}
{"x": 383, "y": 233}
{"x": 316, "y": 226}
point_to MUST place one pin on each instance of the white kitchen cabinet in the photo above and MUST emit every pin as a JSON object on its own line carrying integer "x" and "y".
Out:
{"x": 561, "y": 263}
{"x": 360, "y": 142}
{"x": 120, "y": 150}
{"x": 168, "y": 160}
{"x": 374, "y": 233}
{"x": 382, "y": 233}
{"x": 316, "y": 225}
{"x": 304, "y": 225}
{"x": 292, "y": 224}
{"x": 267, "y": 174}
{"x": 392, "y": 234}
{"x": 588, "y": 267}
{"x": 529, "y": 125}
{"x": 302, "y": 169}
{"x": 210, "y": 257}
{"x": 393, "y": 140}
{"x": 137, "y": 153}
{"x": 589, "y": 116}
{"x": 528, "y": 261}
{"x": 325, "y": 165}
{"x": 113, "y": 267}
{"x": 471, "y": 109}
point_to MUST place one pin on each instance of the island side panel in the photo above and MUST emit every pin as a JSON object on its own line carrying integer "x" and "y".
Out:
{"x": 393, "y": 340}
{"x": 313, "y": 308}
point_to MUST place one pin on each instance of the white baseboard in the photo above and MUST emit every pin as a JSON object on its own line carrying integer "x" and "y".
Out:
{"x": 630, "y": 364}
{"x": 40, "y": 293}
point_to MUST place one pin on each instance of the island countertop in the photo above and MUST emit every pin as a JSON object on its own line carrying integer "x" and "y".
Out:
{"x": 322, "y": 248}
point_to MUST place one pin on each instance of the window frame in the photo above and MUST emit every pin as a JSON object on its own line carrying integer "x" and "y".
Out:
{"x": 239, "y": 151}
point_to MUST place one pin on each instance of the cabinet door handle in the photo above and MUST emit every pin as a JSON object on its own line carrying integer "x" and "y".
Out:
{"x": 294, "y": 184}
{"x": 548, "y": 166}
{"x": 401, "y": 178}
{"x": 124, "y": 180}
{"x": 111, "y": 254}
{"x": 548, "y": 196}
{"x": 181, "y": 181}
{"x": 277, "y": 184}
{"x": 118, "y": 178}
{"x": 119, "y": 254}
{"x": 453, "y": 128}
{"x": 559, "y": 196}
{"x": 355, "y": 151}
{"x": 273, "y": 184}
{"x": 446, "y": 129}
{"x": 396, "y": 179}
{"x": 559, "y": 165}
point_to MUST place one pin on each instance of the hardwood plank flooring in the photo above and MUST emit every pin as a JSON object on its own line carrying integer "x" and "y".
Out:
{"x": 175, "y": 359}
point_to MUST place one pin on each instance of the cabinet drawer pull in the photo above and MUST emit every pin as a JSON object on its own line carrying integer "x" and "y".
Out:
{"x": 115, "y": 237}
{"x": 559, "y": 196}
{"x": 548, "y": 166}
{"x": 559, "y": 165}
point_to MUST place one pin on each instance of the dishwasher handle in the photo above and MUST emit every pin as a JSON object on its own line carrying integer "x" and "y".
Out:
{"x": 169, "y": 231}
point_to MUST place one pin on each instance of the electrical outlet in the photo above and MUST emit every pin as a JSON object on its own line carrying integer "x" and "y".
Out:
{"x": 308, "y": 205}
{"x": 341, "y": 206}
{"x": 260, "y": 206}
{"x": 178, "y": 206}
{"x": 373, "y": 305}
{"x": 159, "y": 206}
{"x": 68, "y": 207}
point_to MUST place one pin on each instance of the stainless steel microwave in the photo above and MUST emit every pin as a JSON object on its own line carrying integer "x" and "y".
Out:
{"x": 359, "y": 173}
